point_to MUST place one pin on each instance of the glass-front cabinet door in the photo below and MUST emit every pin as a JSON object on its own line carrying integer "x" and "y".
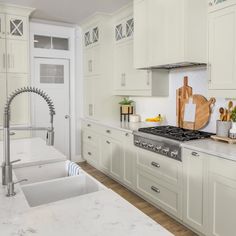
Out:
{"x": 2, "y": 26}
{"x": 16, "y": 27}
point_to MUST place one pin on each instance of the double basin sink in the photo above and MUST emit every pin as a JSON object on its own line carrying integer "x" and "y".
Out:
{"x": 50, "y": 183}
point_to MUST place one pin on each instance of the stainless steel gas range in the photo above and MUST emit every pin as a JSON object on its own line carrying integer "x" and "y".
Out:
{"x": 166, "y": 140}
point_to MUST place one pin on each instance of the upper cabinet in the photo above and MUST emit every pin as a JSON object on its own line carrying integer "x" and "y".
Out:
{"x": 2, "y": 26}
{"x": 222, "y": 52}
{"x": 214, "y": 5}
{"x": 16, "y": 27}
{"x": 165, "y": 32}
{"x": 91, "y": 36}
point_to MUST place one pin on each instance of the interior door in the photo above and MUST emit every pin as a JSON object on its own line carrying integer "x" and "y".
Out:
{"x": 52, "y": 76}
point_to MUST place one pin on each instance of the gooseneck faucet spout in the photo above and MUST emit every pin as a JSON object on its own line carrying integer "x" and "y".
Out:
{"x": 7, "y": 164}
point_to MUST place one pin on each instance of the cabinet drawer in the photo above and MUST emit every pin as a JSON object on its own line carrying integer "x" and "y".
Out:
{"x": 223, "y": 167}
{"x": 90, "y": 125}
{"x": 160, "y": 166}
{"x": 114, "y": 133}
{"x": 159, "y": 192}
{"x": 90, "y": 137}
{"x": 91, "y": 154}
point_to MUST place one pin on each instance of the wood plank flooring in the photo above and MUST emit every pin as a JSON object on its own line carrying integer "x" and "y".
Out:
{"x": 160, "y": 217}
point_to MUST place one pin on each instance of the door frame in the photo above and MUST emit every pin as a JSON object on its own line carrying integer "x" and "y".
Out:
{"x": 74, "y": 55}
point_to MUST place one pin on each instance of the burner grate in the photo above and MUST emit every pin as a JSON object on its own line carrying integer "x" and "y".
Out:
{"x": 176, "y": 133}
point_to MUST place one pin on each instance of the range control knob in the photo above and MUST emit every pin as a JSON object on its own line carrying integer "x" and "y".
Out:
{"x": 150, "y": 145}
{"x": 174, "y": 154}
{"x": 137, "y": 142}
{"x": 158, "y": 148}
{"x": 144, "y": 144}
{"x": 165, "y": 150}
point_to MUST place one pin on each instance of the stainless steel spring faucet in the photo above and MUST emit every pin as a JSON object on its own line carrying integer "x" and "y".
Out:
{"x": 7, "y": 164}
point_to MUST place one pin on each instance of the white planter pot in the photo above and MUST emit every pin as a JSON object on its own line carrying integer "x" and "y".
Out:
{"x": 232, "y": 131}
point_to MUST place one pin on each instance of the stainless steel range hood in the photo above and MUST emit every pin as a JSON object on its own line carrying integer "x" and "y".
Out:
{"x": 178, "y": 65}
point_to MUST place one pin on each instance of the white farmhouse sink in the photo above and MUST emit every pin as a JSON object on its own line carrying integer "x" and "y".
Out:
{"x": 41, "y": 173}
{"x": 59, "y": 189}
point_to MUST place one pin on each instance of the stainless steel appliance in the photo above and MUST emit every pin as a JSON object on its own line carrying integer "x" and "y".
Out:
{"x": 166, "y": 140}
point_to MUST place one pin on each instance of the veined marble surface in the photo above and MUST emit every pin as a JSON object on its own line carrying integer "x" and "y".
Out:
{"x": 216, "y": 148}
{"x": 101, "y": 213}
{"x": 123, "y": 126}
{"x": 32, "y": 151}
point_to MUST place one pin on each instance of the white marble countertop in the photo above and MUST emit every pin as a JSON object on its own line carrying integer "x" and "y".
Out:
{"x": 32, "y": 151}
{"x": 216, "y": 148}
{"x": 99, "y": 213}
{"x": 123, "y": 126}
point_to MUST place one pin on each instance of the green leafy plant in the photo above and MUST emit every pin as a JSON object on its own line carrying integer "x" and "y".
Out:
{"x": 233, "y": 115}
{"x": 126, "y": 101}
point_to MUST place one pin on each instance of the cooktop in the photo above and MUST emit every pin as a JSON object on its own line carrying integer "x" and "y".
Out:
{"x": 176, "y": 133}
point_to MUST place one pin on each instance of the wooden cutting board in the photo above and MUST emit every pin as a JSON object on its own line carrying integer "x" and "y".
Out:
{"x": 202, "y": 112}
{"x": 182, "y": 94}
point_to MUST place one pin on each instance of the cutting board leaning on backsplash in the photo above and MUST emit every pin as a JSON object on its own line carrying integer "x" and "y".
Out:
{"x": 193, "y": 111}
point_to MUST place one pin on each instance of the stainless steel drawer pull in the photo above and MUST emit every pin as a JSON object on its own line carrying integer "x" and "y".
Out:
{"x": 108, "y": 131}
{"x": 89, "y": 153}
{"x": 155, "y": 189}
{"x": 108, "y": 142}
{"x": 155, "y": 164}
{"x": 195, "y": 154}
{"x": 89, "y": 137}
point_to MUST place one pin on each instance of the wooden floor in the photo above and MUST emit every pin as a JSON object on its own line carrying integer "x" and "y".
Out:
{"x": 167, "y": 222}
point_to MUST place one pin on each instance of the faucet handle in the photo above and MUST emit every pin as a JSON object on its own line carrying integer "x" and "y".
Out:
{"x": 11, "y": 188}
{"x": 12, "y": 162}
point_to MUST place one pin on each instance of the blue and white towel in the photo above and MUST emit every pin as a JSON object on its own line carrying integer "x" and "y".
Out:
{"x": 72, "y": 168}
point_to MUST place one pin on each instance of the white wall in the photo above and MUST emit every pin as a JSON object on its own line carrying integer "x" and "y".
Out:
{"x": 150, "y": 107}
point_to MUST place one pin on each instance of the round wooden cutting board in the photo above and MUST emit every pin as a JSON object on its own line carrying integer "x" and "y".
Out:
{"x": 203, "y": 112}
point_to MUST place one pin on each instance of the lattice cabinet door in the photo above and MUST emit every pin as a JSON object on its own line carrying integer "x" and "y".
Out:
{"x": 16, "y": 27}
{"x": 2, "y": 26}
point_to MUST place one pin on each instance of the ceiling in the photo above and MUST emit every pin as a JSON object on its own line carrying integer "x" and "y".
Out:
{"x": 69, "y": 11}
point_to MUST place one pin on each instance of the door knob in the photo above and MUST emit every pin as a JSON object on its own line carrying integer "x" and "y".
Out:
{"x": 67, "y": 117}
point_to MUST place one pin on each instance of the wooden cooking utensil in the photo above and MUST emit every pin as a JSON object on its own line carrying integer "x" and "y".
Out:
{"x": 230, "y": 107}
{"x": 202, "y": 114}
{"x": 222, "y": 113}
{"x": 182, "y": 94}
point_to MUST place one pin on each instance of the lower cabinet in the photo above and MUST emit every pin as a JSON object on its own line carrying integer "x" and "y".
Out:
{"x": 222, "y": 197}
{"x": 195, "y": 189}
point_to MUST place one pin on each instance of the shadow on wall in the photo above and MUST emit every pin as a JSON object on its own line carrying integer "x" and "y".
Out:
{"x": 149, "y": 107}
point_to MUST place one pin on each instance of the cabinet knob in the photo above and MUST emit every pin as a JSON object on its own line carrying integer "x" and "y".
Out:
{"x": 127, "y": 134}
{"x": 155, "y": 164}
{"x": 155, "y": 189}
{"x": 88, "y": 125}
{"x": 108, "y": 131}
{"x": 108, "y": 142}
{"x": 89, "y": 137}
{"x": 195, "y": 154}
{"x": 89, "y": 153}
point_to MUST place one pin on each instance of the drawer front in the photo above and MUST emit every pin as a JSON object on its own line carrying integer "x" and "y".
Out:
{"x": 114, "y": 133}
{"x": 91, "y": 154}
{"x": 90, "y": 125}
{"x": 159, "y": 193}
{"x": 160, "y": 166}
{"x": 90, "y": 137}
{"x": 223, "y": 167}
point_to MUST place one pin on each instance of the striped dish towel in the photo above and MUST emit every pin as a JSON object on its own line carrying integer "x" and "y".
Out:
{"x": 72, "y": 168}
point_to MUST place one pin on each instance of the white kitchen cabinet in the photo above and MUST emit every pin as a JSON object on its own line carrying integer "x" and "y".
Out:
{"x": 129, "y": 81}
{"x": 130, "y": 160}
{"x": 3, "y": 95}
{"x": 222, "y": 52}
{"x": 106, "y": 153}
{"x": 195, "y": 189}
{"x": 117, "y": 159}
{"x": 17, "y": 27}
{"x": 165, "y": 31}
{"x": 92, "y": 61}
{"x": 17, "y": 56}
{"x": 222, "y": 195}
{"x": 3, "y": 56}
{"x": 2, "y": 26}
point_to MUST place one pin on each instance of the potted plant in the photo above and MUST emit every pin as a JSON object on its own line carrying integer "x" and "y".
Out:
{"x": 126, "y": 106}
{"x": 232, "y": 131}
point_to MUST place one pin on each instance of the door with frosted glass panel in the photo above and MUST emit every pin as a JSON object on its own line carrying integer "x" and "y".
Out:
{"x": 52, "y": 76}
